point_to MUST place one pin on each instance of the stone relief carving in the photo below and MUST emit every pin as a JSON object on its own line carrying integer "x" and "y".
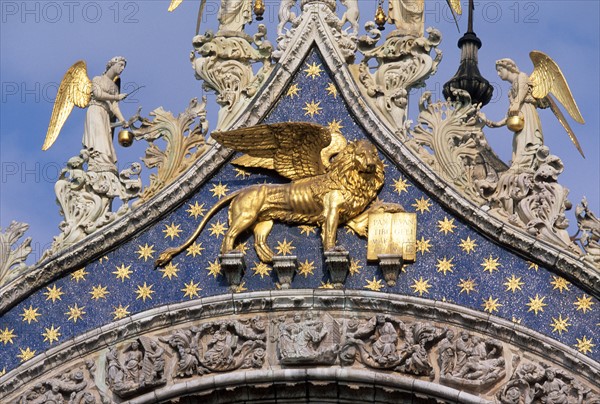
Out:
{"x": 181, "y": 151}
{"x": 140, "y": 365}
{"x": 470, "y": 362}
{"x": 312, "y": 340}
{"x": 224, "y": 63}
{"x": 286, "y": 15}
{"x": 403, "y": 63}
{"x": 85, "y": 198}
{"x": 533, "y": 199}
{"x": 12, "y": 260}
{"x": 539, "y": 383}
{"x": 453, "y": 132}
{"x": 589, "y": 226}
{"x": 386, "y": 343}
{"x": 219, "y": 347}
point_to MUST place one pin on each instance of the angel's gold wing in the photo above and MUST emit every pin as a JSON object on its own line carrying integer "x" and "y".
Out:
{"x": 293, "y": 149}
{"x": 547, "y": 80}
{"x": 75, "y": 90}
{"x": 174, "y": 4}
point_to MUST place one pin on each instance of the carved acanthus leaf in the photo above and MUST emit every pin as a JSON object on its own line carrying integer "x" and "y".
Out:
{"x": 12, "y": 260}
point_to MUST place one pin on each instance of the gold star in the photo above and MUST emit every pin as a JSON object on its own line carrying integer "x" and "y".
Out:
{"x": 79, "y": 275}
{"x": 516, "y": 320}
{"x": 7, "y": 336}
{"x": 536, "y": 304}
{"x": 123, "y": 272}
{"x": 120, "y": 312}
{"x": 421, "y": 286}
{"x": 423, "y": 245}
{"x": 446, "y": 225}
{"x": 102, "y": 259}
{"x": 196, "y": 210}
{"x": 51, "y": 334}
{"x": 145, "y": 252}
{"x": 375, "y": 285}
{"x": 191, "y": 290}
{"x": 214, "y": 268}
{"x": 560, "y": 283}
{"x": 490, "y": 305}
{"x": 335, "y": 126}
{"x": 217, "y": 229}
{"x": 533, "y": 266}
{"x": 422, "y": 205}
{"x": 560, "y": 324}
{"x": 3, "y": 371}
{"x": 445, "y": 265}
{"x": 170, "y": 271}
{"x": 331, "y": 90}
{"x": 355, "y": 267}
{"x": 312, "y": 108}
{"x": 54, "y": 293}
{"x": 144, "y": 292}
{"x": 513, "y": 283}
{"x": 313, "y": 70}
{"x": 401, "y": 185}
{"x": 241, "y": 173}
{"x": 172, "y": 230}
{"x": 262, "y": 269}
{"x": 306, "y": 268}
{"x": 25, "y": 354}
{"x": 468, "y": 245}
{"x": 284, "y": 247}
{"x": 293, "y": 91}
{"x": 242, "y": 247}
{"x": 308, "y": 230}
{"x": 584, "y": 303}
{"x": 490, "y": 264}
{"x": 467, "y": 285}
{"x": 194, "y": 249}
{"x": 584, "y": 345}
{"x": 99, "y": 292}
{"x": 349, "y": 230}
{"x": 219, "y": 190}
{"x": 30, "y": 314}
{"x": 75, "y": 313}
{"x": 326, "y": 285}
{"x": 240, "y": 288}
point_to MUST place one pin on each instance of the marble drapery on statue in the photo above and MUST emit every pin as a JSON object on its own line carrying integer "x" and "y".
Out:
{"x": 234, "y": 14}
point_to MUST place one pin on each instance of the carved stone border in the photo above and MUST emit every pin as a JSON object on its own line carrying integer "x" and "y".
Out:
{"x": 313, "y": 32}
{"x": 352, "y": 302}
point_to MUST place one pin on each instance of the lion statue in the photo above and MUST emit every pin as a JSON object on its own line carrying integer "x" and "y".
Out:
{"x": 333, "y": 182}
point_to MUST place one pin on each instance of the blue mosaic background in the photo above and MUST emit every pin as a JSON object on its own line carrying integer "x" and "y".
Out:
{"x": 456, "y": 265}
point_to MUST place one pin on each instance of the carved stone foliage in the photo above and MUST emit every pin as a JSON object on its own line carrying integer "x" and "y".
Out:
{"x": 180, "y": 152}
{"x": 449, "y": 139}
{"x": 383, "y": 342}
{"x": 12, "y": 260}
{"x": 224, "y": 63}
{"x": 539, "y": 383}
{"x": 306, "y": 340}
{"x": 403, "y": 62}
{"x": 136, "y": 367}
{"x": 470, "y": 362}
{"x": 85, "y": 198}
{"x": 219, "y": 347}
{"x": 72, "y": 387}
{"x": 533, "y": 199}
{"x": 589, "y": 233}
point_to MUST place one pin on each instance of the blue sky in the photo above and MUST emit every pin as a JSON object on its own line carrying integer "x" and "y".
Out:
{"x": 39, "y": 41}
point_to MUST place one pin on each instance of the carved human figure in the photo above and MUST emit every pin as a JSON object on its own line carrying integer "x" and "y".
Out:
{"x": 310, "y": 335}
{"x": 153, "y": 363}
{"x": 407, "y": 16}
{"x": 447, "y": 354}
{"x": 384, "y": 347}
{"x": 462, "y": 349}
{"x": 553, "y": 391}
{"x": 234, "y": 14}
{"x": 133, "y": 363}
{"x": 102, "y": 110}
{"x": 288, "y": 335}
{"x": 483, "y": 370}
{"x": 114, "y": 371}
{"x": 527, "y": 141}
{"x": 220, "y": 347}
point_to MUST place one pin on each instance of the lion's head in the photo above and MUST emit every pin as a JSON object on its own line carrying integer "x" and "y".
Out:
{"x": 359, "y": 167}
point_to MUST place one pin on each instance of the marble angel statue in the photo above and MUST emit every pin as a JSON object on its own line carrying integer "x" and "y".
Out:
{"x": 408, "y": 15}
{"x": 528, "y": 93}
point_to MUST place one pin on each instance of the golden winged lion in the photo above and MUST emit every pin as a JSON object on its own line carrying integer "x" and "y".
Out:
{"x": 332, "y": 182}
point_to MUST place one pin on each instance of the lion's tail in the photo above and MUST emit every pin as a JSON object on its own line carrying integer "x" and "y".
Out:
{"x": 166, "y": 256}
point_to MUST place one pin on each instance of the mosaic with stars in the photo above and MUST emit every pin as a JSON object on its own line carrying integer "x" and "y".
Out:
{"x": 454, "y": 263}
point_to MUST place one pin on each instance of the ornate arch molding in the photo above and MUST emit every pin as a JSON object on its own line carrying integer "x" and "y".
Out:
{"x": 355, "y": 338}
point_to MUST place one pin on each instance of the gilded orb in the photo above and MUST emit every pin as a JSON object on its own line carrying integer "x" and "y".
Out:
{"x": 125, "y": 138}
{"x": 515, "y": 123}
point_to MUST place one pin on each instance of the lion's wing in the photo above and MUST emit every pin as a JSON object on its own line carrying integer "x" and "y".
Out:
{"x": 293, "y": 149}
